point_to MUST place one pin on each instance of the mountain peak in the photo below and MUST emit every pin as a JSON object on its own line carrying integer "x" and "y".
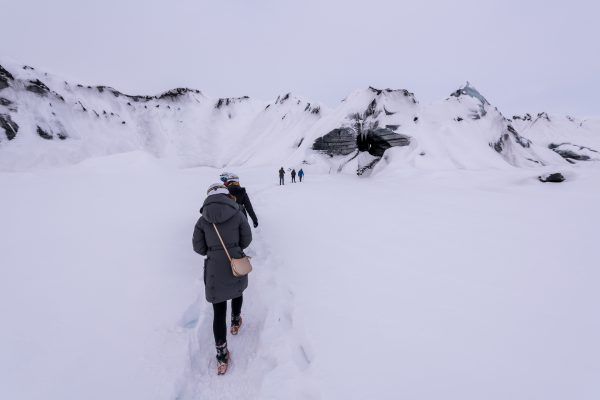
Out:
{"x": 177, "y": 92}
{"x": 468, "y": 90}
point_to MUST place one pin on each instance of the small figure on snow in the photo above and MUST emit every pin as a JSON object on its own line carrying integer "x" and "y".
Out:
{"x": 281, "y": 176}
{"x": 221, "y": 212}
{"x": 300, "y": 174}
{"x": 232, "y": 182}
{"x": 293, "y": 176}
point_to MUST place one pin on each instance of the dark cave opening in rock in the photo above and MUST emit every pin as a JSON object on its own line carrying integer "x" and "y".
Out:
{"x": 377, "y": 141}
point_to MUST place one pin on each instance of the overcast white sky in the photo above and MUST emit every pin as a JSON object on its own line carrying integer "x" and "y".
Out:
{"x": 525, "y": 55}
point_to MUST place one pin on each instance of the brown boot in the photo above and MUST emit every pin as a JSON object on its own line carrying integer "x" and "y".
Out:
{"x": 236, "y": 324}
{"x": 223, "y": 358}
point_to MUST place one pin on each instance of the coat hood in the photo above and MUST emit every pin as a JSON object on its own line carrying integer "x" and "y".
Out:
{"x": 218, "y": 208}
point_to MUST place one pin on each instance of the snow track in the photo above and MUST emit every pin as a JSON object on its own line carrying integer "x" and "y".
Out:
{"x": 267, "y": 351}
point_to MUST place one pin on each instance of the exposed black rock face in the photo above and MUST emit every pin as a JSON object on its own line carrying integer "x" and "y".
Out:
{"x": 43, "y": 134}
{"x": 338, "y": 142}
{"x": 543, "y": 115}
{"x": 568, "y": 154}
{"x": 571, "y": 152}
{"x": 5, "y": 76}
{"x": 174, "y": 93}
{"x": 10, "y": 127}
{"x": 5, "y": 102}
{"x": 520, "y": 139}
{"x": 505, "y": 137}
{"x": 556, "y": 177}
{"x": 37, "y": 87}
{"x": 371, "y": 109}
{"x": 281, "y": 100}
{"x": 498, "y": 145}
{"x": 220, "y": 103}
{"x": 404, "y": 92}
{"x": 229, "y": 100}
{"x": 526, "y": 117}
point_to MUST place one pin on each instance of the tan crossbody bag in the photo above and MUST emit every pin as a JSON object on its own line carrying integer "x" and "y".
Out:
{"x": 239, "y": 266}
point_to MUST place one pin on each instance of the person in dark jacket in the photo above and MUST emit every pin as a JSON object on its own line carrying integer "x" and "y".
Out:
{"x": 293, "y": 176}
{"x": 300, "y": 174}
{"x": 281, "y": 175}
{"x": 221, "y": 209}
{"x": 232, "y": 182}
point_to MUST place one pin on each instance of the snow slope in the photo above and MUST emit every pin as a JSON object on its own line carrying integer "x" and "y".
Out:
{"x": 455, "y": 284}
{"x": 48, "y": 121}
{"x": 59, "y": 123}
{"x": 579, "y": 136}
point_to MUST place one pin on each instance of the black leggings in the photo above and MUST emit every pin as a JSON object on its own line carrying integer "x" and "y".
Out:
{"x": 220, "y": 316}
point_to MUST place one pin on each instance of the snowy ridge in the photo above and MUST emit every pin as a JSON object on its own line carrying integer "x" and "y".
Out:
{"x": 47, "y": 121}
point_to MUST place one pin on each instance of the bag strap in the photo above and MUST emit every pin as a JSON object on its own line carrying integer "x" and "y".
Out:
{"x": 222, "y": 242}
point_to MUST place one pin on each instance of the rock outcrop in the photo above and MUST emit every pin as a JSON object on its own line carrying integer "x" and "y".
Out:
{"x": 10, "y": 127}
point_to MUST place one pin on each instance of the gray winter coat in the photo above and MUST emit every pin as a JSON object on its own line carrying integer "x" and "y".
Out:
{"x": 233, "y": 226}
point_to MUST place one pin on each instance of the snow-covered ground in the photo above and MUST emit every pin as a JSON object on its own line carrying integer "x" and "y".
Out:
{"x": 410, "y": 284}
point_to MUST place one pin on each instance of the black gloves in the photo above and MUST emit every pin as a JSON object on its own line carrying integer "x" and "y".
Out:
{"x": 256, "y": 224}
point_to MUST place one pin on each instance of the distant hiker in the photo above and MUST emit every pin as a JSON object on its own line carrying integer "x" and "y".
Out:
{"x": 300, "y": 174}
{"x": 293, "y": 176}
{"x": 221, "y": 209}
{"x": 281, "y": 175}
{"x": 232, "y": 182}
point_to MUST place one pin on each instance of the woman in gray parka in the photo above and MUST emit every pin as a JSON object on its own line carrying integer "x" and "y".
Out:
{"x": 221, "y": 209}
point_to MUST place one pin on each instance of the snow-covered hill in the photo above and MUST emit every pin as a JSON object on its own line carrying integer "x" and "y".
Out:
{"x": 48, "y": 121}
